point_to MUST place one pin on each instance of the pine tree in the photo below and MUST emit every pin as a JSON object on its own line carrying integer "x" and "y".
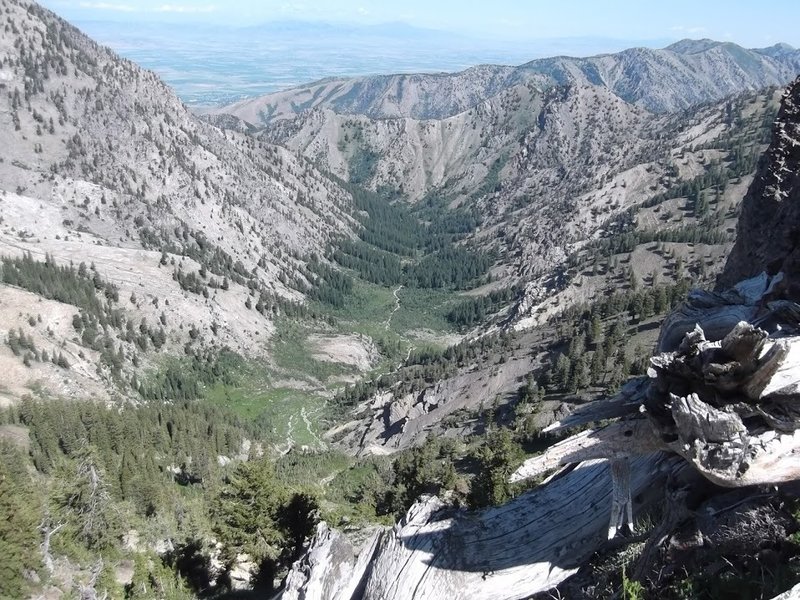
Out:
{"x": 561, "y": 374}
{"x": 597, "y": 368}
{"x": 596, "y": 328}
{"x": 497, "y": 458}
{"x": 298, "y": 519}
{"x": 246, "y": 509}
{"x": 85, "y": 501}
{"x": 581, "y": 375}
{"x": 18, "y": 534}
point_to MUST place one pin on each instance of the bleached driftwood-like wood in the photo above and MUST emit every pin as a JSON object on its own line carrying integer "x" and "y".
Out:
{"x": 623, "y": 404}
{"x": 331, "y": 568}
{"x": 792, "y": 594}
{"x": 616, "y": 441}
{"x": 621, "y": 503}
{"x": 529, "y": 545}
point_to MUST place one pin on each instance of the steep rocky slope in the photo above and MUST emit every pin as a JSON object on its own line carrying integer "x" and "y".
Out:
{"x": 665, "y": 80}
{"x": 102, "y": 164}
{"x": 769, "y": 235}
{"x": 544, "y": 168}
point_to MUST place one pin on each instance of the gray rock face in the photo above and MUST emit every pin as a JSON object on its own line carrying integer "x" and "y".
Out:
{"x": 769, "y": 225}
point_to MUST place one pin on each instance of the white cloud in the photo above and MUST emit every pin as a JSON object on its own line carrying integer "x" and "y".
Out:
{"x": 181, "y": 8}
{"x": 108, "y": 6}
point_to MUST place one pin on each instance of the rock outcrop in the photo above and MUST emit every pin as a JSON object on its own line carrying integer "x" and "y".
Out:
{"x": 769, "y": 225}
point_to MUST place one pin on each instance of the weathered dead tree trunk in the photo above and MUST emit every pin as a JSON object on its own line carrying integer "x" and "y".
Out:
{"x": 530, "y": 544}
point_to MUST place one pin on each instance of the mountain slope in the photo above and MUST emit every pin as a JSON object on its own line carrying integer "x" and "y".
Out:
{"x": 101, "y": 164}
{"x": 664, "y": 80}
{"x": 521, "y": 160}
{"x": 544, "y": 168}
{"x": 614, "y": 250}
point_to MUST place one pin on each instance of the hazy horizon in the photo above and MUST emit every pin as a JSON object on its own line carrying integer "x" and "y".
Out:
{"x": 212, "y": 56}
{"x": 501, "y": 20}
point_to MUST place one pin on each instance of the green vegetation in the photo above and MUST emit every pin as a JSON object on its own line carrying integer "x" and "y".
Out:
{"x": 183, "y": 241}
{"x": 452, "y": 267}
{"x": 593, "y": 341}
{"x": 410, "y": 246}
{"x": 387, "y": 225}
{"x": 498, "y": 456}
{"x": 422, "y": 308}
{"x": 19, "y": 511}
{"x": 79, "y": 287}
{"x": 362, "y": 165}
{"x": 491, "y": 182}
{"x": 254, "y": 514}
{"x": 331, "y": 286}
{"x": 473, "y": 311}
{"x": 371, "y": 263}
{"x": 368, "y": 305}
{"x": 109, "y": 470}
{"x": 187, "y": 378}
{"x": 293, "y": 356}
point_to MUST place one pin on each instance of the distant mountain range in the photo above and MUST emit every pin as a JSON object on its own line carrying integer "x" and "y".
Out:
{"x": 681, "y": 75}
{"x": 212, "y": 65}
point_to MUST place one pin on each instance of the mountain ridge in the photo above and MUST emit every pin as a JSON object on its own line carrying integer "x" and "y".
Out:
{"x": 710, "y": 72}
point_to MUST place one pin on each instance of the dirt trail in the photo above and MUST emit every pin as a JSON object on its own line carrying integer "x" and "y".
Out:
{"x": 396, "y": 308}
{"x": 289, "y": 438}
{"x": 309, "y": 426}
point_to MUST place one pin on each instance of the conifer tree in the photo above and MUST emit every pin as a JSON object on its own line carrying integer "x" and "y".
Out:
{"x": 246, "y": 510}
{"x": 19, "y": 538}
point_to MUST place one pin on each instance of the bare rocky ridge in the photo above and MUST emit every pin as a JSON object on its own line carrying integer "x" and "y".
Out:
{"x": 726, "y": 411}
{"x": 102, "y": 164}
{"x": 666, "y": 80}
{"x": 769, "y": 232}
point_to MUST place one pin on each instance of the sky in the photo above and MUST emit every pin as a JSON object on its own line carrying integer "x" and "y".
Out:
{"x": 748, "y": 23}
